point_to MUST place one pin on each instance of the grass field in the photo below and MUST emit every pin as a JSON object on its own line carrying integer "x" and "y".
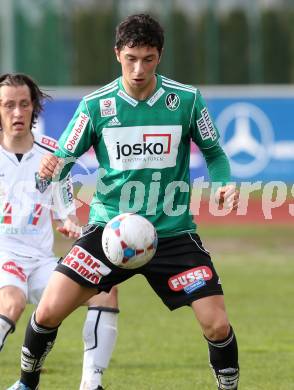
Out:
{"x": 158, "y": 349}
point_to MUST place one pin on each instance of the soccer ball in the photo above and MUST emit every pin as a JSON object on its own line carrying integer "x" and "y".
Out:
{"x": 129, "y": 240}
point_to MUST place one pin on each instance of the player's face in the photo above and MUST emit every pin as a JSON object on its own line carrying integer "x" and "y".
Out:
{"x": 138, "y": 64}
{"x": 16, "y": 110}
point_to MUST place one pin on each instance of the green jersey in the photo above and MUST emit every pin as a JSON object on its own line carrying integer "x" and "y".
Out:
{"x": 143, "y": 150}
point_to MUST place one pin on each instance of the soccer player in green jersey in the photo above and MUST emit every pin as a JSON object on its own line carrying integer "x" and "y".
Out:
{"x": 140, "y": 127}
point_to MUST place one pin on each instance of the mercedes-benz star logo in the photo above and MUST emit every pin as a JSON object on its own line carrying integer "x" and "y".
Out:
{"x": 247, "y": 137}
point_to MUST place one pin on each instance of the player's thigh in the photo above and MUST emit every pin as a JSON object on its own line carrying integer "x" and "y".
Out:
{"x": 39, "y": 278}
{"x": 182, "y": 271}
{"x": 61, "y": 297}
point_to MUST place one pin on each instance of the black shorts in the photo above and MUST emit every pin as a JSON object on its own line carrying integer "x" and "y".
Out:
{"x": 180, "y": 272}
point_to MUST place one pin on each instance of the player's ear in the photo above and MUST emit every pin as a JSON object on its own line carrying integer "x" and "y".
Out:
{"x": 117, "y": 53}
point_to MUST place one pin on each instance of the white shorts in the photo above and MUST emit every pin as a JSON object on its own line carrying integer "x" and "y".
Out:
{"x": 29, "y": 274}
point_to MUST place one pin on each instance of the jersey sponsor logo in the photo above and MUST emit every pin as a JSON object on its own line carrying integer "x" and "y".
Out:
{"x": 172, "y": 101}
{"x": 107, "y": 107}
{"x": 190, "y": 280}
{"x": 24, "y": 230}
{"x": 155, "y": 97}
{"x": 6, "y": 214}
{"x": 142, "y": 147}
{"x": 146, "y": 147}
{"x": 86, "y": 265}
{"x": 114, "y": 122}
{"x": 14, "y": 269}
{"x": 206, "y": 127}
{"x": 67, "y": 191}
{"x": 194, "y": 286}
{"x": 49, "y": 142}
{"x": 41, "y": 184}
{"x": 127, "y": 98}
{"x": 35, "y": 214}
{"x": 75, "y": 135}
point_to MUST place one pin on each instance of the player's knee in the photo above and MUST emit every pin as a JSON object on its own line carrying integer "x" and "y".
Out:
{"x": 15, "y": 309}
{"x": 13, "y": 303}
{"x": 218, "y": 330}
{"x": 46, "y": 316}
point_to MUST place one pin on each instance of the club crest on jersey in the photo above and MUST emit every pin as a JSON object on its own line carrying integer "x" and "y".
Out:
{"x": 41, "y": 184}
{"x": 172, "y": 101}
{"x": 108, "y": 107}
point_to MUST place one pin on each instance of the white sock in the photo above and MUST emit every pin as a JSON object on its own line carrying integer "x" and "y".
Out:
{"x": 99, "y": 333}
{"x": 6, "y": 326}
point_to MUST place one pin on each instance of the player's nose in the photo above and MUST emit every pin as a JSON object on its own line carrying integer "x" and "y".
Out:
{"x": 17, "y": 111}
{"x": 138, "y": 68}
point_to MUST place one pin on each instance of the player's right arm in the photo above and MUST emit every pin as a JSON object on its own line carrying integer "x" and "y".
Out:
{"x": 76, "y": 139}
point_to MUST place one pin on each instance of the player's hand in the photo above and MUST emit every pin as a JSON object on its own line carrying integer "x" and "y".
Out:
{"x": 227, "y": 197}
{"x": 71, "y": 227}
{"x": 50, "y": 166}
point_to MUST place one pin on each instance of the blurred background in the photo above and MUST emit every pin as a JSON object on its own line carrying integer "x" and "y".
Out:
{"x": 70, "y": 42}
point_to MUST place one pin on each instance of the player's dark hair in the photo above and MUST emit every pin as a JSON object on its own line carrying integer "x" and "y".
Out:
{"x": 139, "y": 30}
{"x": 37, "y": 96}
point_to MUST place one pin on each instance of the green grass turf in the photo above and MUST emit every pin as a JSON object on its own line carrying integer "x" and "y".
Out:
{"x": 158, "y": 349}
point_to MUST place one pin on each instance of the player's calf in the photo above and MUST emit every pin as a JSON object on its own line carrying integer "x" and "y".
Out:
{"x": 38, "y": 342}
{"x": 223, "y": 357}
{"x": 99, "y": 334}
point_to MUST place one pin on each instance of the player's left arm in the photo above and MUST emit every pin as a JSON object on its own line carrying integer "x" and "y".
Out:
{"x": 63, "y": 208}
{"x": 226, "y": 193}
{"x": 206, "y": 136}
